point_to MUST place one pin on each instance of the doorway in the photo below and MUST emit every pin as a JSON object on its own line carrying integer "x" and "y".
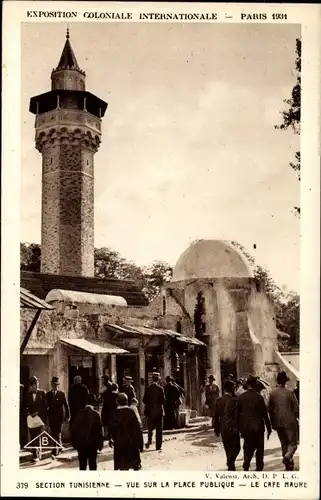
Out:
{"x": 227, "y": 367}
{"x": 85, "y": 366}
{"x": 127, "y": 366}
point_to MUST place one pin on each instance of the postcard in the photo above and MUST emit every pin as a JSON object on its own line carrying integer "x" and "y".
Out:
{"x": 161, "y": 179}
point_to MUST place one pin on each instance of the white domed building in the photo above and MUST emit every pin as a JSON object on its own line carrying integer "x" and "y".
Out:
{"x": 214, "y": 297}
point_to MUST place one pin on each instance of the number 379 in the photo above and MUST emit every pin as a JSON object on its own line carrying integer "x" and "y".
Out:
{"x": 22, "y": 486}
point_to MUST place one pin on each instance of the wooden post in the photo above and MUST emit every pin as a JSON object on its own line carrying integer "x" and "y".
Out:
{"x": 29, "y": 332}
{"x": 167, "y": 359}
{"x": 185, "y": 375}
{"x": 142, "y": 369}
{"x": 113, "y": 368}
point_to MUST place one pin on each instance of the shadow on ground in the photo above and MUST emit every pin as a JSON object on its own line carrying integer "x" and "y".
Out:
{"x": 205, "y": 438}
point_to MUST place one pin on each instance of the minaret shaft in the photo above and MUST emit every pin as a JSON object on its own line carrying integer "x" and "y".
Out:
{"x": 68, "y": 132}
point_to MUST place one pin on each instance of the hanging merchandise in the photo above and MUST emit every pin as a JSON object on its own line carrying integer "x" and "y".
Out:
{"x": 176, "y": 362}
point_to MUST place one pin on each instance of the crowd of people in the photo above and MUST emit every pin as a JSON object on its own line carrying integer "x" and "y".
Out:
{"x": 119, "y": 421}
{"x": 241, "y": 412}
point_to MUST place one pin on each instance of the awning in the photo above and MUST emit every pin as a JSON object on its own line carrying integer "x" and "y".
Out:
{"x": 287, "y": 365}
{"x": 31, "y": 301}
{"x": 75, "y": 297}
{"x": 93, "y": 346}
{"x": 152, "y": 332}
{"x": 182, "y": 338}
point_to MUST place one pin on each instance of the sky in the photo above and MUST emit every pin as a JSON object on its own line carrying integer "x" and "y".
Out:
{"x": 189, "y": 149}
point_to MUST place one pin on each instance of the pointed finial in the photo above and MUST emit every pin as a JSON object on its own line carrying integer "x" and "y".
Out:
{"x": 67, "y": 34}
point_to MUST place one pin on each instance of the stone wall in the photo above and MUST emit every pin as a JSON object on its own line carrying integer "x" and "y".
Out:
{"x": 68, "y": 149}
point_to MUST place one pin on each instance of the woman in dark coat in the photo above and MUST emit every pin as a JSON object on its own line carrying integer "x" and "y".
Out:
{"x": 125, "y": 436}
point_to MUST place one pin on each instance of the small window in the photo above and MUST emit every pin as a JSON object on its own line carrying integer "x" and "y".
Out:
{"x": 87, "y": 162}
{"x": 179, "y": 327}
{"x": 51, "y": 160}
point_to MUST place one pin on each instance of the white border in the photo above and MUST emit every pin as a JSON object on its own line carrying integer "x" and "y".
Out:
{"x": 308, "y": 16}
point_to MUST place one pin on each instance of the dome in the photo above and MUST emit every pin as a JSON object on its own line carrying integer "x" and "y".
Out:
{"x": 211, "y": 259}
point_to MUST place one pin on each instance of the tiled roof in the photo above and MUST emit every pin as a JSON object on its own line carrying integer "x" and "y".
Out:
{"x": 40, "y": 284}
{"x": 152, "y": 332}
{"x": 30, "y": 301}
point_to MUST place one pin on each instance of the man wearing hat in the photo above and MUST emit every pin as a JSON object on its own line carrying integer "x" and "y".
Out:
{"x": 251, "y": 420}
{"x": 225, "y": 423}
{"x": 128, "y": 388}
{"x": 154, "y": 401}
{"x": 56, "y": 406}
{"x": 212, "y": 392}
{"x": 36, "y": 406}
{"x": 284, "y": 412}
{"x": 78, "y": 394}
{"x": 87, "y": 433}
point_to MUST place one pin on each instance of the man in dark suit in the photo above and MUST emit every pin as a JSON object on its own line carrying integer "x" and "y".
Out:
{"x": 284, "y": 412}
{"x": 154, "y": 401}
{"x": 251, "y": 420}
{"x": 173, "y": 393}
{"x": 128, "y": 389}
{"x": 87, "y": 434}
{"x": 212, "y": 392}
{"x": 56, "y": 405}
{"x": 225, "y": 423}
{"x": 36, "y": 405}
{"x": 77, "y": 397}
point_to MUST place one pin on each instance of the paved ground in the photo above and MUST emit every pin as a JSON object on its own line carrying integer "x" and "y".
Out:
{"x": 197, "y": 450}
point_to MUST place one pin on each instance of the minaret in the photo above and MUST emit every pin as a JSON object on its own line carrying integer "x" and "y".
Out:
{"x": 68, "y": 132}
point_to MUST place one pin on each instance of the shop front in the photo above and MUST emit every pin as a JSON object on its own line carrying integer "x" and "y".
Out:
{"x": 91, "y": 359}
{"x": 157, "y": 350}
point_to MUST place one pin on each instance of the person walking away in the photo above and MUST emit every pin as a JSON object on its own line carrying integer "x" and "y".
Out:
{"x": 125, "y": 436}
{"x": 133, "y": 406}
{"x": 284, "y": 412}
{"x": 180, "y": 400}
{"x": 87, "y": 434}
{"x": 225, "y": 423}
{"x": 58, "y": 410}
{"x": 251, "y": 420}
{"x": 172, "y": 398}
{"x": 128, "y": 388}
{"x": 212, "y": 392}
{"x": 77, "y": 397}
{"x": 36, "y": 410}
{"x": 107, "y": 399}
{"x": 154, "y": 401}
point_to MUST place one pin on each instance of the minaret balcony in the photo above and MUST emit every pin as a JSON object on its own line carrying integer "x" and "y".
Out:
{"x": 68, "y": 117}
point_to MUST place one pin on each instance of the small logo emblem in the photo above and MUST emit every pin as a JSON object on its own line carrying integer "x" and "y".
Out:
{"x": 43, "y": 442}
